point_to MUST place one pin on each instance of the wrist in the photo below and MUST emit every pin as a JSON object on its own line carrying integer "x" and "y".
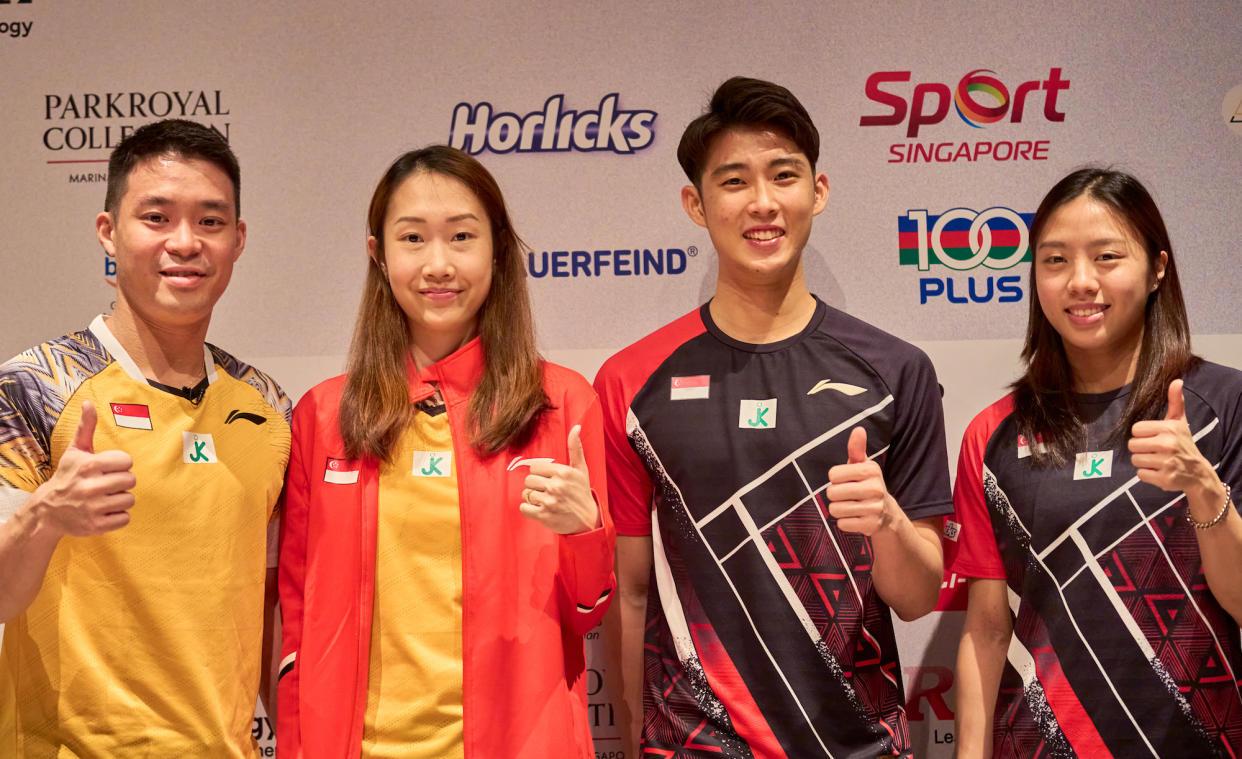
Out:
{"x": 1200, "y": 523}
{"x": 894, "y": 519}
{"x": 35, "y": 520}
{"x": 1205, "y": 496}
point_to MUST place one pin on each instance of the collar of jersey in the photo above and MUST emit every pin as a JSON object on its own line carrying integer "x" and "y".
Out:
{"x": 455, "y": 375}
{"x": 706, "y": 315}
{"x": 100, "y": 329}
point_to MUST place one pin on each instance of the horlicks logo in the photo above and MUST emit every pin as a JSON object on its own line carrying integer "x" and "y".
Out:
{"x": 476, "y": 128}
{"x": 632, "y": 262}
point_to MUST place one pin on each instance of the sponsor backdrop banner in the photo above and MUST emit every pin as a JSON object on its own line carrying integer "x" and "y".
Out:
{"x": 942, "y": 124}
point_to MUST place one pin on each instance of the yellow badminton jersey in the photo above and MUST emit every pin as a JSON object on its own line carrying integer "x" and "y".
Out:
{"x": 414, "y": 683}
{"x": 145, "y": 641}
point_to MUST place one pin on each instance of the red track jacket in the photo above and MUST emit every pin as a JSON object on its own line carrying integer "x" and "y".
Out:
{"x": 528, "y": 594}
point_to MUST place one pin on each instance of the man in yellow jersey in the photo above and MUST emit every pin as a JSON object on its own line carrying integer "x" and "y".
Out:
{"x": 139, "y": 471}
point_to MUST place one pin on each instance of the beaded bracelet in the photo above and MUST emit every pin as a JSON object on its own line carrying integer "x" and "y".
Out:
{"x": 1216, "y": 519}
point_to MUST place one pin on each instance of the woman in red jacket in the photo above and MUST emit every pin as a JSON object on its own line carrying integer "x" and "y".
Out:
{"x": 446, "y": 537}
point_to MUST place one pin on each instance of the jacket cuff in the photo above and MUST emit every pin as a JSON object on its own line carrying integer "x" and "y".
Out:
{"x": 586, "y": 567}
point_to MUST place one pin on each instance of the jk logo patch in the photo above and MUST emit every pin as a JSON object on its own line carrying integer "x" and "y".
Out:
{"x": 433, "y": 463}
{"x": 198, "y": 448}
{"x": 1092, "y": 465}
{"x": 757, "y": 415}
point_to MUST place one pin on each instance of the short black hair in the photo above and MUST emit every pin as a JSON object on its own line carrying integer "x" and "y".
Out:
{"x": 745, "y": 102}
{"x": 177, "y": 137}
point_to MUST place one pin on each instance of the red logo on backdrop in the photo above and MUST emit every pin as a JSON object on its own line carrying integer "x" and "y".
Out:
{"x": 928, "y": 684}
{"x": 981, "y": 99}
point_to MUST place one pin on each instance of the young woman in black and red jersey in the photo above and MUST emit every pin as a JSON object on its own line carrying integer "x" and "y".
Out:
{"x": 1094, "y": 512}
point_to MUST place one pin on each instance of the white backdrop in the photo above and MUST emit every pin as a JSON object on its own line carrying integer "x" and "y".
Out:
{"x": 317, "y": 98}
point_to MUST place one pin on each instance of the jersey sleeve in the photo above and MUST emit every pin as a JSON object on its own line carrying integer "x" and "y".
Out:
{"x": 629, "y": 485}
{"x": 916, "y": 469}
{"x": 1226, "y": 399}
{"x": 25, "y": 462}
{"x": 970, "y": 540}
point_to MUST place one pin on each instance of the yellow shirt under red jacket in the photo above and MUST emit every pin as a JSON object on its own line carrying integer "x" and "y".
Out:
{"x": 528, "y": 594}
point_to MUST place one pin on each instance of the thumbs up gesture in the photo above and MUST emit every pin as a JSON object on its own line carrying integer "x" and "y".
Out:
{"x": 857, "y": 495}
{"x": 558, "y": 496}
{"x": 88, "y": 494}
{"x": 1165, "y": 454}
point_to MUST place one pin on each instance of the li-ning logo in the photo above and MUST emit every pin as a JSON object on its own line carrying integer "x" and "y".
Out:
{"x": 476, "y": 129}
{"x": 840, "y": 387}
{"x": 237, "y": 415}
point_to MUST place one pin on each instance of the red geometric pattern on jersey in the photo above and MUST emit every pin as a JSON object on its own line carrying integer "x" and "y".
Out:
{"x": 675, "y": 690}
{"x": 1151, "y": 588}
{"x": 811, "y": 558}
{"x": 1109, "y": 578}
{"x": 1026, "y": 726}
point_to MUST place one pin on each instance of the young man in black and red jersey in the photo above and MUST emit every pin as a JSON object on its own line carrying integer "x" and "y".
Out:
{"x": 778, "y": 471}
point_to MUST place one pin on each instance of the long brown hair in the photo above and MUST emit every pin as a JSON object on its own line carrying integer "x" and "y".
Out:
{"x": 1045, "y": 406}
{"x": 509, "y": 398}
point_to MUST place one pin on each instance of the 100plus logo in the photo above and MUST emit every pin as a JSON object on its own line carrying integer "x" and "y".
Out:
{"x": 980, "y": 99}
{"x": 962, "y": 240}
{"x": 552, "y": 129}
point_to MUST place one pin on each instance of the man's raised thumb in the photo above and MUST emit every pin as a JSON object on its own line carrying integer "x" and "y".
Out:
{"x": 84, "y": 437}
{"x": 857, "y": 446}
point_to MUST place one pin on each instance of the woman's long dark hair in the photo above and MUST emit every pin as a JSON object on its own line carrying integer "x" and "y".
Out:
{"x": 1045, "y": 406}
{"x": 509, "y": 398}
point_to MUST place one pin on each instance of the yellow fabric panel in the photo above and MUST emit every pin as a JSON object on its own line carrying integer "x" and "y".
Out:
{"x": 414, "y": 687}
{"x": 146, "y": 641}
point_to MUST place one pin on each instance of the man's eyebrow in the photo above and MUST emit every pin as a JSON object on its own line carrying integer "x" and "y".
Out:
{"x": 161, "y": 200}
{"x": 725, "y": 168}
{"x": 787, "y": 161}
{"x": 793, "y": 161}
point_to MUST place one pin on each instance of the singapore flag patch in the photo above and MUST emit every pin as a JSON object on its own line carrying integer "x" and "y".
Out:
{"x": 341, "y": 471}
